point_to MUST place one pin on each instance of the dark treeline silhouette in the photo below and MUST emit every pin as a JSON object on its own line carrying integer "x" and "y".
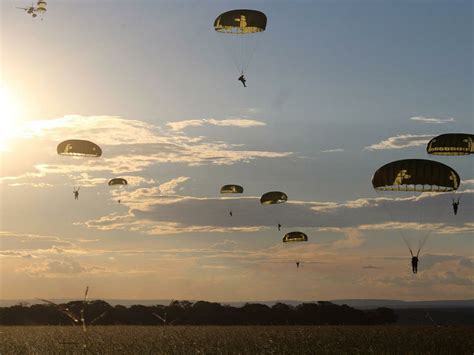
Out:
{"x": 199, "y": 313}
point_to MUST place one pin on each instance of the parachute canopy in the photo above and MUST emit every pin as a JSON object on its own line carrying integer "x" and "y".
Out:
{"x": 118, "y": 181}
{"x": 451, "y": 144}
{"x": 415, "y": 175}
{"x": 241, "y": 21}
{"x": 77, "y": 147}
{"x": 41, "y": 6}
{"x": 273, "y": 197}
{"x": 295, "y": 237}
{"x": 232, "y": 189}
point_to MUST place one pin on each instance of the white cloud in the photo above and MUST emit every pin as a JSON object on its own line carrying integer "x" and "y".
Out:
{"x": 353, "y": 239}
{"x": 169, "y": 187}
{"x": 432, "y": 119}
{"x": 103, "y": 130}
{"x": 401, "y": 141}
{"x": 152, "y": 213}
{"x": 129, "y": 146}
{"x": 230, "y": 122}
{"x": 467, "y": 228}
{"x": 332, "y": 150}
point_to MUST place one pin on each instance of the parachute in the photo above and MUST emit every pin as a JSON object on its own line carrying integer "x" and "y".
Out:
{"x": 80, "y": 148}
{"x": 118, "y": 181}
{"x": 406, "y": 182}
{"x": 273, "y": 197}
{"x": 295, "y": 237}
{"x": 41, "y": 6}
{"x": 451, "y": 144}
{"x": 232, "y": 189}
{"x": 240, "y": 31}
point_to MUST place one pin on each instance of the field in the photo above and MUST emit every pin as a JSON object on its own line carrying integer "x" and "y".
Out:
{"x": 237, "y": 340}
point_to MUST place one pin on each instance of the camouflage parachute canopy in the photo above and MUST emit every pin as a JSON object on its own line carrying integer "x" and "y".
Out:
{"x": 451, "y": 144}
{"x": 241, "y": 21}
{"x": 295, "y": 237}
{"x": 77, "y": 147}
{"x": 273, "y": 197}
{"x": 118, "y": 181}
{"x": 416, "y": 175}
{"x": 232, "y": 189}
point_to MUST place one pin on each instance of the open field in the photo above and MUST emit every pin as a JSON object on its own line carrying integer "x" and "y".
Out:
{"x": 237, "y": 339}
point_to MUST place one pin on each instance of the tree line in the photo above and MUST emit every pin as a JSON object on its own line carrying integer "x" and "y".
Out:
{"x": 99, "y": 312}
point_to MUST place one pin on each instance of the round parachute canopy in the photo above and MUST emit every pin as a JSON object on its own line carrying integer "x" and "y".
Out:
{"x": 295, "y": 237}
{"x": 77, "y": 147}
{"x": 451, "y": 144}
{"x": 241, "y": 21}
{"x": 232, "y": 189}
{"x": 416, "y": 175}
{"x": 118, "y": 181}
{"x": 273, "y": 197}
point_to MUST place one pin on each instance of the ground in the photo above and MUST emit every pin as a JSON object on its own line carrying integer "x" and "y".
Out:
{"x": 237, "y": 340}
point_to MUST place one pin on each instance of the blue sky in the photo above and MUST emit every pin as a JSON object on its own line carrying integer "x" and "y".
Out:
{"x": 335, "y": 90}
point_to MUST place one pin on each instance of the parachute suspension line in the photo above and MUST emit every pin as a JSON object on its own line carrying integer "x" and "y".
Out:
{"x": 241, "y": 59}
{"x": 400, "y": 231}
{"x": 408, "y": 244}
{"x": 429, "y": 231}
{"x": 251, "y": 51}
{"x": 234, "y": 56}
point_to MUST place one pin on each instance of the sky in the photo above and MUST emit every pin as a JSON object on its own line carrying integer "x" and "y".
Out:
{"x": 335, "y": 89}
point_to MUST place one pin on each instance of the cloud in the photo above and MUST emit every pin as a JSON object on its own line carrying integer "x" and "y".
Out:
{"x": 230, "y": 122}
{"x": 103, "y": 130}
{"x": 151, "y": 212}
{"x": 353, "y": 239}
{"x": 225, "y": 245}
{"x": 466, "y": 228}
{"x": 129, "y": 146}
{"x": 169, "y": 187}
{"x": 332, "y": 150}
{"x": 432, "y": 119}
{"x": 426, "y": 279}
{"x": 61, "y": 267}
{"x": 30, "y": 242}
{"x": 429, "y": 260}
{"x": 401, "y": 141}
{"x": 16, "y": 254}
{"x": 21, "y": 177}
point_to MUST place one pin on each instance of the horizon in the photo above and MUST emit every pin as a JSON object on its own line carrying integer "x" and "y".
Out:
{"x": 334, "y": 91}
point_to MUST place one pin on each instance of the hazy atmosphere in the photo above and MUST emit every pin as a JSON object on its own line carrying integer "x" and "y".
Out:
{"x": 335, "y": 90}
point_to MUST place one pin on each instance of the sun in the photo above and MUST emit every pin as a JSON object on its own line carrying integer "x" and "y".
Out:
{"x": 9, "y": 115}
